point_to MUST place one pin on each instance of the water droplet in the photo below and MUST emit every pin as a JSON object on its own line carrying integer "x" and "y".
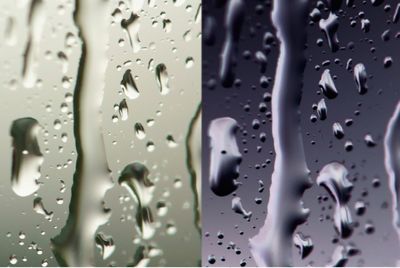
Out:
{"x": 38, "y": 207}
{"x": 338, "y": 130}
{"x": 13, "y": 259}
{"x": 139, "y": 130}
{"x": 211, "y": 259}
{"x": 304, "y": 244}
{"x": 189, "y": 62}
{"x": 134, "y": 178}
{"x": 105, "y": 244}
{"x": 171, "y": 141}
{"x": 128, "y": 86}
{"x": 369, "y": 140}
{"x": 327, "y": 85}
{"x": 27, "y": 158}
{"x": 225, "y": 156}
{"x": 330, "y": 27}
{"x": 360, "y": 76}
{"x": 162, "y": 79}
{"x": 365, "y": 25}
{"x": 333, "y": 177}
{"x": 322, "y": 110}
{"x": 123, "y": 110}
{"x": 238, "y": 208}
{"x": 360, "y": 208}
{"x": 339, "y": 257}
{"x": 131, "y": 27}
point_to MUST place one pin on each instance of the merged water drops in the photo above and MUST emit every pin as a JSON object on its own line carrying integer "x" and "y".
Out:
{"x": 333, "y": 177}
{"x": 135, "y": 179}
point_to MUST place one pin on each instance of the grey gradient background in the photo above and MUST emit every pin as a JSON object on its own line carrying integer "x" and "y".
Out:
{"x": 375, "y": 108}
{"x": 172, "y": 114}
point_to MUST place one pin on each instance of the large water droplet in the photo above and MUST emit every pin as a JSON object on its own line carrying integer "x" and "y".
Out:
{"x": 225, "y": 156}
{"x": 27, "y": 158}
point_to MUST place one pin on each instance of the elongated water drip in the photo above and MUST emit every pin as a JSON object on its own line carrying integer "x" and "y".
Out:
{"x": 233, "y": 24}
{"x": 360, "y": 77}
{"x": 193, "y": 162}
{"x": 330, "y": 27}
{"x": 75, "y": 245}
{"x": 392, "y": 164}
{"x": 162, "y": 78}
{"x": 131, "y": 27}
{"x": 272, "y": 246}
{"x": 36, "y": 22}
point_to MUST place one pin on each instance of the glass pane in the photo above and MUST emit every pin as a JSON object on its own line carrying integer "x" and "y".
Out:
{"x": 320, "y": 95}
{"x": 101, "y": 132}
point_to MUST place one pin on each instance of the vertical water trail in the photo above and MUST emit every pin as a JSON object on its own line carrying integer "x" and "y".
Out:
{"x": 10, "y": 33}
{"x": 272, "y": 246}
{"x": 233, "y": 23}
{"x": 392, "y": 164}
{"x": 131, "y": 27}
{"x": 36, "y": 20}
{"x": 193, "y": 163}
{"x": 75, "y": 245}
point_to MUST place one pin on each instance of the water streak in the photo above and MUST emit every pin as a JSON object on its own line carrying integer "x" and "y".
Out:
{"x": 36, "y": 22}
{"x": 193, "y": 162}
{"x": 392, "y": 164}
{"x": 272, "y": 246}
{"x": 233, "y": 24}
{"x": 75, "y": 245}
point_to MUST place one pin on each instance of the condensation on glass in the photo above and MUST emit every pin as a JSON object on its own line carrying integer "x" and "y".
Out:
{"x": 301, "y": 133}
{"x": 101, "y": 125}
